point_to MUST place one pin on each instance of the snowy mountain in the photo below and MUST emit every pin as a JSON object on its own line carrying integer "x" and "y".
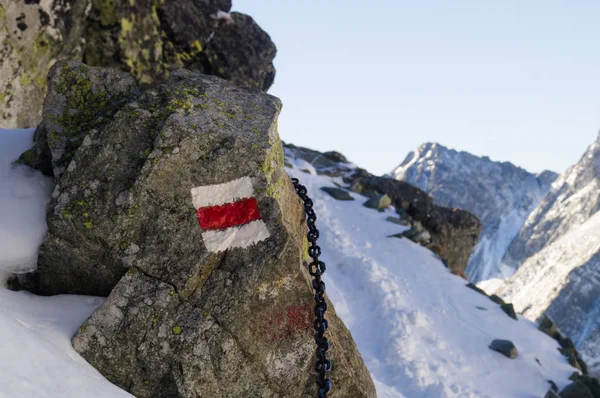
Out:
{"x": 500, "y": 194}
{"x": 559, "y": 249}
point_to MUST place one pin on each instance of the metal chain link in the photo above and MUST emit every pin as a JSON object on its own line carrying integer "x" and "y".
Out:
{"x": 317, "y": 268}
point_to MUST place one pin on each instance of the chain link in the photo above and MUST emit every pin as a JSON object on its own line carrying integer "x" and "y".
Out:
{"x": 316, "y": 269}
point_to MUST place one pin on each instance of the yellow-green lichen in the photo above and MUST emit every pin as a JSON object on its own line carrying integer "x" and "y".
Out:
{"x": 273, "y": 161}
{"x": 124, "y": 245}
{"x": 177, "y": 330}
{"x": 88, "y": 225}
{"x": 197, "y": 46}
{"x": 107, "y": 10}
{"x": 25, "y": 80}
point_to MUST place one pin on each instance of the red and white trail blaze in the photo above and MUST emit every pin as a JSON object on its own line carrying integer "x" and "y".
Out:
{"x": 229, "y": 215}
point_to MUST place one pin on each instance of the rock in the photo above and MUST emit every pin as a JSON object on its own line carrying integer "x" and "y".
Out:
{"x": 332, "y": 164}
{"x": 147, "y": 38}
{"x": 70, "y": 115}
{"x": 357, "y": 187}
{"x": 337, "y": 193}
{"x": 423, "y": 238}
{"x": 509, "y": 310}
{"x": 576, "y": 390}
{"x": 437, "y": 249}
{"x": 34, "y": 35}
{"x": 592, "y": 383}
{"x": 551, "y": 394}
{"x": 398, "y": 221}
{"x": 553, "y": 386}
{"x": 478, "y": 290}
{"x": 191, "y": 312}
{"x": 27, "y": 281}
{"x": 496, "y": 299}
{"x": 379, "y": 202}
{"x": 402, "y": 213}
{"x": 456, "y": 231}
{"x": 505, "y": 347}
{"x": 570, "y": 352}
{"x": 335, "y": 157}
{"x": 547, "y": 326}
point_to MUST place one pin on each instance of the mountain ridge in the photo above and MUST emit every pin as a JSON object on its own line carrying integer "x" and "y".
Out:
{"x": 500, "y": 194}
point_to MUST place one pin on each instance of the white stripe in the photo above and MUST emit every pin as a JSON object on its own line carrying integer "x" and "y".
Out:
{"x": 240, "y": 236}
{"x": 214, "y": 195}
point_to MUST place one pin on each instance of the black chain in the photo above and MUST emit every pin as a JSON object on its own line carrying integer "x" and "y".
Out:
{"x": 317, "y": 268}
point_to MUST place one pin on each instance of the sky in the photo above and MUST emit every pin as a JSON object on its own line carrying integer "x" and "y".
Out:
{"x": 514, "y": 80}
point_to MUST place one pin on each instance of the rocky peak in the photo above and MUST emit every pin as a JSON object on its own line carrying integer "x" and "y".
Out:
{"x": 500, "y": 194}
{"x": 572, "y": 200}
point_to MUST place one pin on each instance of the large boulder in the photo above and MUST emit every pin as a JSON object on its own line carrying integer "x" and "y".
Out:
{"x": 148, "y": 38}
{"x": 178, "y": 209}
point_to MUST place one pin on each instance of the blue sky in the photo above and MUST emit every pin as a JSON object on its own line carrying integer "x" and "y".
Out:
{"x": 518, "y": 81}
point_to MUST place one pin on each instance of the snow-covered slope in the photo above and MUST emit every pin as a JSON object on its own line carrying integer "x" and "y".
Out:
{"x": 501, "y": 195}
{"x": 421, "y": 331}
{"x": 559, "y": 248}
{"x": 36, "y": 358}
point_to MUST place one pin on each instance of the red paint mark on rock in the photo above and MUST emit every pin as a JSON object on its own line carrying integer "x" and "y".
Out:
{"x": 228, "y": 215}
{"x": 281, "y": 325}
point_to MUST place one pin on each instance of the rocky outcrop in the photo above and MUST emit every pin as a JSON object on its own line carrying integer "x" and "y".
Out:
{"x": 148, "y": 38}
{"x": 33, "y": 35}
{"x": 178, "y": 208}
{"x": 450, "y": 232}
{"x": 500, "y": 194}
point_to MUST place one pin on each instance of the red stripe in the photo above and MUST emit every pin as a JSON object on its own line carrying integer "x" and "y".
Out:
{"x": 228, "y": 215}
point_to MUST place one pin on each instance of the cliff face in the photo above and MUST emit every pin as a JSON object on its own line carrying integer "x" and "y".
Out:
{"x": 147, "y": 38}
{"x": 501, "y": 195}
{"x": 559, "y": 249}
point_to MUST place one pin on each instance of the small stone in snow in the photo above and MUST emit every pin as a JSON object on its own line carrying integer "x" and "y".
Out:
{"x": 337, "y": 193}
{"x": 510, "y": 310}
{"x": 504, "y": 347}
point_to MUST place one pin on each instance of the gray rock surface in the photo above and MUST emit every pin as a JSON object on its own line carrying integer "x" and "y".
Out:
{"x": 337, "y": 193}
{"x": 504, "y": 347}
{"x": 189, "y": 313}
{"x": 71, "y": 114}
{"x": 147, "y": 38}
{"x": 578, "y": 389}
{"x": 379, "y": 202}
{"x": 509, "y": 310}
{"x": 501, "y": 195}
{"x": 33, "y": 35}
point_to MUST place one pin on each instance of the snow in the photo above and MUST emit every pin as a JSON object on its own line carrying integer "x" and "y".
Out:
{"x": 36, "y": 357}
{"x": 23, "y": 195}
{"x": 421, "y": 332}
